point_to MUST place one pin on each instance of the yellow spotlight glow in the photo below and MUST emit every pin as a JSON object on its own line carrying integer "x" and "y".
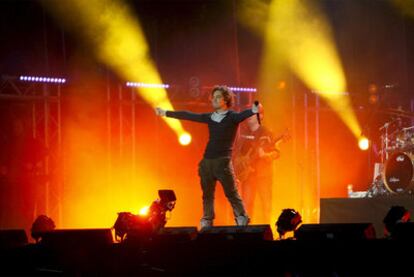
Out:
{"x": 341, "y": 104}
{"x": 300, "y": 32}
{"x": 144, "y": 211}
{"x": 299, "y": 36}
{"x": 363, "y": 143}
{"x": 116, "y": 39}
{"x": 406, "y": 7}
{"x": 185, "y": 139}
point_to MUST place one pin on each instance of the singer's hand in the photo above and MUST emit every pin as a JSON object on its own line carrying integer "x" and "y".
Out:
{"x": 274, "y": 155}
{"x": 160, "y": 112}
{"x": 257, "y": 108}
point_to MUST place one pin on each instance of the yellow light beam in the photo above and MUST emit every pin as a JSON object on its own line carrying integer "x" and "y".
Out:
{"x": 303, "y": 37}
{"x": 405, "y": 6}
{"x": 118, "y": 41}
{"x": 297, "y": 35}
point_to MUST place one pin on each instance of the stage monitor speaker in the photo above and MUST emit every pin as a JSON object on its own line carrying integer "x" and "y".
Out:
{"x": 404, "y": 231}
{"x": 69, "y": 238}
{"x": 336, "y": 231}
{"x": 245, "y": 233}
{"x": 13, "y": 238}
{"x": 178, "y": 234}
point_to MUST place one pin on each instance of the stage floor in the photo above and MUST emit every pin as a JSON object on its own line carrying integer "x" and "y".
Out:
{"x": 213, "y": 258}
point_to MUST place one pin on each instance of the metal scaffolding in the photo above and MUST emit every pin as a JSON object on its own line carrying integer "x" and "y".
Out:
{"x": 44, "y": 100}
{"x": 121, "y": 127}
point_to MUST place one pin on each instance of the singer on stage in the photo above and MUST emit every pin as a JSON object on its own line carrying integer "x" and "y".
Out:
{"x": 216, "y": 163}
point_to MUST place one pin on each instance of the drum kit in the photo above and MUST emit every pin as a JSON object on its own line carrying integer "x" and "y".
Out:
{"x": 396, "y": 171}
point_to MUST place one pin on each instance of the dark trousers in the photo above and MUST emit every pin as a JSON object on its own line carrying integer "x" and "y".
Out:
{"x": 258, "y": 188}
{"x": 211, "y": 171}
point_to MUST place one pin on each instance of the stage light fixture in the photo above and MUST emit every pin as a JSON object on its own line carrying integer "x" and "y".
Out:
{"x": 288, "y": 221}
{"x": 42, "y": 79}
{"x": 147, "y": 223}
{"x": 185, "y": 139}
{"x": 125, "y": 223}
{"x": 242, "y": 89}
{"x": 396, "y": 215}
{"x": 41, "y": 225}
{"x": 144, "y": 211}
{"x": 159, "y": 208}
{"x": 146, "y": 85}
{"x": 363, "y": 143}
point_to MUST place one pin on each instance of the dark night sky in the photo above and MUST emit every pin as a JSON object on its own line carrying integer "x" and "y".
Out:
{"x": 196, "y": 38}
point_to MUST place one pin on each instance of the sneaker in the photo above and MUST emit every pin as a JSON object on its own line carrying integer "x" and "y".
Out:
{"x": 242, "y": 220}
{"x": 204, "y": 223}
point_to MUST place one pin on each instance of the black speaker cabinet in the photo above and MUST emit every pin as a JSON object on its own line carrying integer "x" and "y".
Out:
{"x": 178, "y": 234}
{"x": 69, "y": 238}
{"x": 404, "y": 231}
{"x": 336, "y": 231}
{"x": 13, "y": 238}
{"x": 246, "y": 233}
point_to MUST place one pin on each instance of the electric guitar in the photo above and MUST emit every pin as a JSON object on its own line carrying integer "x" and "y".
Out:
{"x": 243, "y": 163}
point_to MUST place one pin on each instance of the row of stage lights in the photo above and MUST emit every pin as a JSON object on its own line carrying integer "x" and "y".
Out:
{"x": 42, "y": 79}
{"x": 145, "y": 85}
{"x": 128, "y": 84}
{"x": 154, "y": 218}
{"x": 240, "y": 89}
{"x": 363, "y": 141}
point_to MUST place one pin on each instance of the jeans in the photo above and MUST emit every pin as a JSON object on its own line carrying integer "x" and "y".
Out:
{"x": 258, "y": 188}
{"x": 211, "y": 171}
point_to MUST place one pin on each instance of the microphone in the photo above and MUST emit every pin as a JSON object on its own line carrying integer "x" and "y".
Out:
{"x": 384, "y": 126}
{"x": 256, "y": 103}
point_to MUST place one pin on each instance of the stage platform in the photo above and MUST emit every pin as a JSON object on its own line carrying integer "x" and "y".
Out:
{"x": 358, "y": 210}
{"x": 91, "y": 252}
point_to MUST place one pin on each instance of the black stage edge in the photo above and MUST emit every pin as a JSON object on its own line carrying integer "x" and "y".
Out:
{"x": 358, "y": 210}
{"x": 177, "y": 253}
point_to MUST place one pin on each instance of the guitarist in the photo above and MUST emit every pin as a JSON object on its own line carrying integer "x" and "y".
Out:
{"x": 253, "y": 166}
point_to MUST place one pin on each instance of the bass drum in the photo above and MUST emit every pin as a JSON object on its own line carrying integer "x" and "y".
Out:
{"x": 399, "y": 172}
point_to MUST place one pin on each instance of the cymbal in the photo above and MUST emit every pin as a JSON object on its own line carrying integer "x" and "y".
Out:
{"x": 400, "y": 112}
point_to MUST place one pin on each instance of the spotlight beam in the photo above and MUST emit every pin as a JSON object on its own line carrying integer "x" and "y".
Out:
{"x": 117, "y": 40}
{"x": 298, "y": 36}
{"x": 310, "y": 52}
